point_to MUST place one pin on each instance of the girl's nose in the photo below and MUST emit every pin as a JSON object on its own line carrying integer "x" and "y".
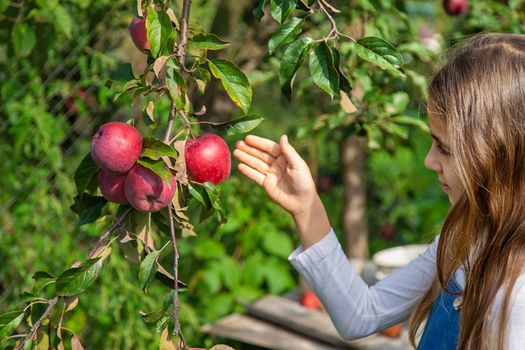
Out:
{"x": 432, "y": 162}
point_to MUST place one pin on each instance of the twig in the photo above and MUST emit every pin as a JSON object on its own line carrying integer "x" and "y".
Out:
{"x": 334, "y": 32}
{"x": 109, "y": 231}
{"x": 169, "y": 126}
{"x": 181, "y": 47}
{"x": 187, "y": 122}
{"x": 176, "y": 327}
{"x": 54, "y": 301}
{"x": 35, "y": 327}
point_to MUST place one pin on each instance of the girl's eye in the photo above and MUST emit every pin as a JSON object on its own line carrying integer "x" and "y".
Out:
{"x": 442, "y": 150}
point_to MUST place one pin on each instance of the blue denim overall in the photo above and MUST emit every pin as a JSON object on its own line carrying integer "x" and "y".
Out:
{"x": 442, "y": 328}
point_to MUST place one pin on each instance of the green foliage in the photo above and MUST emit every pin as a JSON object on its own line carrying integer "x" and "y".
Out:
{"x": 65, "y": 69}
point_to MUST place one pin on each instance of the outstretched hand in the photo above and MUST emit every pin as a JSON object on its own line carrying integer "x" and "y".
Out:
{"x": 279, "y": 169}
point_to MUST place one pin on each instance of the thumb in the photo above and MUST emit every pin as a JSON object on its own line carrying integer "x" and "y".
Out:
{"x": 292, "y": 157}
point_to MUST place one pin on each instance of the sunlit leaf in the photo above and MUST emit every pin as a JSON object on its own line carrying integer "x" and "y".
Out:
{"x": 154, "y": 149}
{"x": 9, "y": 321}
{"x": 158, "y": 167}
{"x": 158, "y": 29}
{"x": 281, "y": 9}
{"x": 379, "y": 52}
{"x": 234, "y": 81}
{"x": 147, "y": 269}
{"x": 242, "y": 125}
{"x": 207, "y": 42}
{"x": 77, "y": 279}
{"x": 285, "y": 34}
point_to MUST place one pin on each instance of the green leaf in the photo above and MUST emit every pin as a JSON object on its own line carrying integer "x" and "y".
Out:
{"x": 278, "y": 276}
{"x": 158, "y": 167}
{"x": 207, "y": 248}
{"x": 154, "y": 149}
{"x": 234, "y": 81}
{"x": 9, "y": 321}
{"x": 153, "y": 316}
{"x": 23, "y": 38}
{"x": 344, "y": 83}
{"x": 277, "y": 243}
{"x": 198, "y": 192}
{"x": 207, "y": 42}
{"x": 64, "y": 22}
{"x": 214, "y": 195}
{"x": 285, "y": 34}
{"x": 176, "y": 87}
{"x": 147, "y": 269}
{"x": 77, "y": 279}
{"x": 85, "y": 173}
{"x": 243, "y": 124}
{"x": 407, "y": 120}
{"x": 281, "y": 9}
{"x": 4, "y": 4}
{"x": 231, "y": 274}
{"x": 258, "y": 12}
{"x": 158, "y": 29}
{"x": 323, "y": 71}
{"x": 292, "y": 60}
{"x": 88, "y": 207}
{"x": 42, "y": 275}
{"x": 378, "y": 51}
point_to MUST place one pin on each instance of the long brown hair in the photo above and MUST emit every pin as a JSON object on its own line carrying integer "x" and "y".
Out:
{"x": 480, "y": 93}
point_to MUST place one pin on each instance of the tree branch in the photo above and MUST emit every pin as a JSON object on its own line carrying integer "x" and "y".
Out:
{"x": 53, "y": 302}
{"x": 35, "y": 327}
{"x": 183, "y": 40}
{"x": 109, "y": 231}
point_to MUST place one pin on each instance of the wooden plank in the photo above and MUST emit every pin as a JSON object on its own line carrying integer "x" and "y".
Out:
{"x": 254, "y": 331}
{"x": 292, "y": 315}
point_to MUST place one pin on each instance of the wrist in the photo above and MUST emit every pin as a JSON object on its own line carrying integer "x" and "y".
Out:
{"x": 312, "y": 222}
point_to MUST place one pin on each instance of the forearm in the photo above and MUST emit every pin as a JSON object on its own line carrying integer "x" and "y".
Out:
{"x": 312, "y": 222}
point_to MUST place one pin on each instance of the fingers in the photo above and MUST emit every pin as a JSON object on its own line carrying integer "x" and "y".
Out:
{"x": 292, "y": 157}
{"x": 253, "y": 162}
{"x": 251, "y": 173}
{"x": 262, "y": 155}
{"x": 263, "y": 144}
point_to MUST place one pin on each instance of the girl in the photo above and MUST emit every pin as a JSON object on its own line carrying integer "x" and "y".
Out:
{"x": 467, "y": 290}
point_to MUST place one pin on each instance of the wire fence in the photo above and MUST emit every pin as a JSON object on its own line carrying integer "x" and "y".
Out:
{"x": 96, "y": 41}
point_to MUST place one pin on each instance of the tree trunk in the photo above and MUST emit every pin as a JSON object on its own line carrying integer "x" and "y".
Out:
{"x": 354, "y": 182}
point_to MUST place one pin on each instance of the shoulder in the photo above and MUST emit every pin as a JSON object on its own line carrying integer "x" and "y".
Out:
{"x": 515, "y": 337}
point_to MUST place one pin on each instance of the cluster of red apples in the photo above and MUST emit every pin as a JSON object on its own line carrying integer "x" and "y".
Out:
{"x": 116, "y": 148}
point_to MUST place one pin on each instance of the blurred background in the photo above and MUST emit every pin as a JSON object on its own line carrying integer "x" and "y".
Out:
{"x": 55, "y": 60}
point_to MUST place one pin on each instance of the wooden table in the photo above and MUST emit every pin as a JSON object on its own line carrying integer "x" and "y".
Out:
{"x": 279, "y": 323}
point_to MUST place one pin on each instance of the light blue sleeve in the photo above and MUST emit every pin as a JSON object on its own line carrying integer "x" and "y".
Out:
{"x": 356, "y": 309}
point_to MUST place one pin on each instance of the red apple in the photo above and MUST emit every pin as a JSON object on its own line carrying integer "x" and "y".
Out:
{"x": 310, "y": 300}
{"x": 112, "y": 187}
{"x": 116, "y": 147}
{"x": 456, "y": 7}
{"x": 387, "y": 231}
{"x": 137, "y": 29}
{"x": 146, "y": 191}
{"x": 207, "y": 159}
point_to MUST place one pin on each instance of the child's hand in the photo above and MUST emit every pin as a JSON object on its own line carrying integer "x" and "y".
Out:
{"x": 279, "y": 169}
